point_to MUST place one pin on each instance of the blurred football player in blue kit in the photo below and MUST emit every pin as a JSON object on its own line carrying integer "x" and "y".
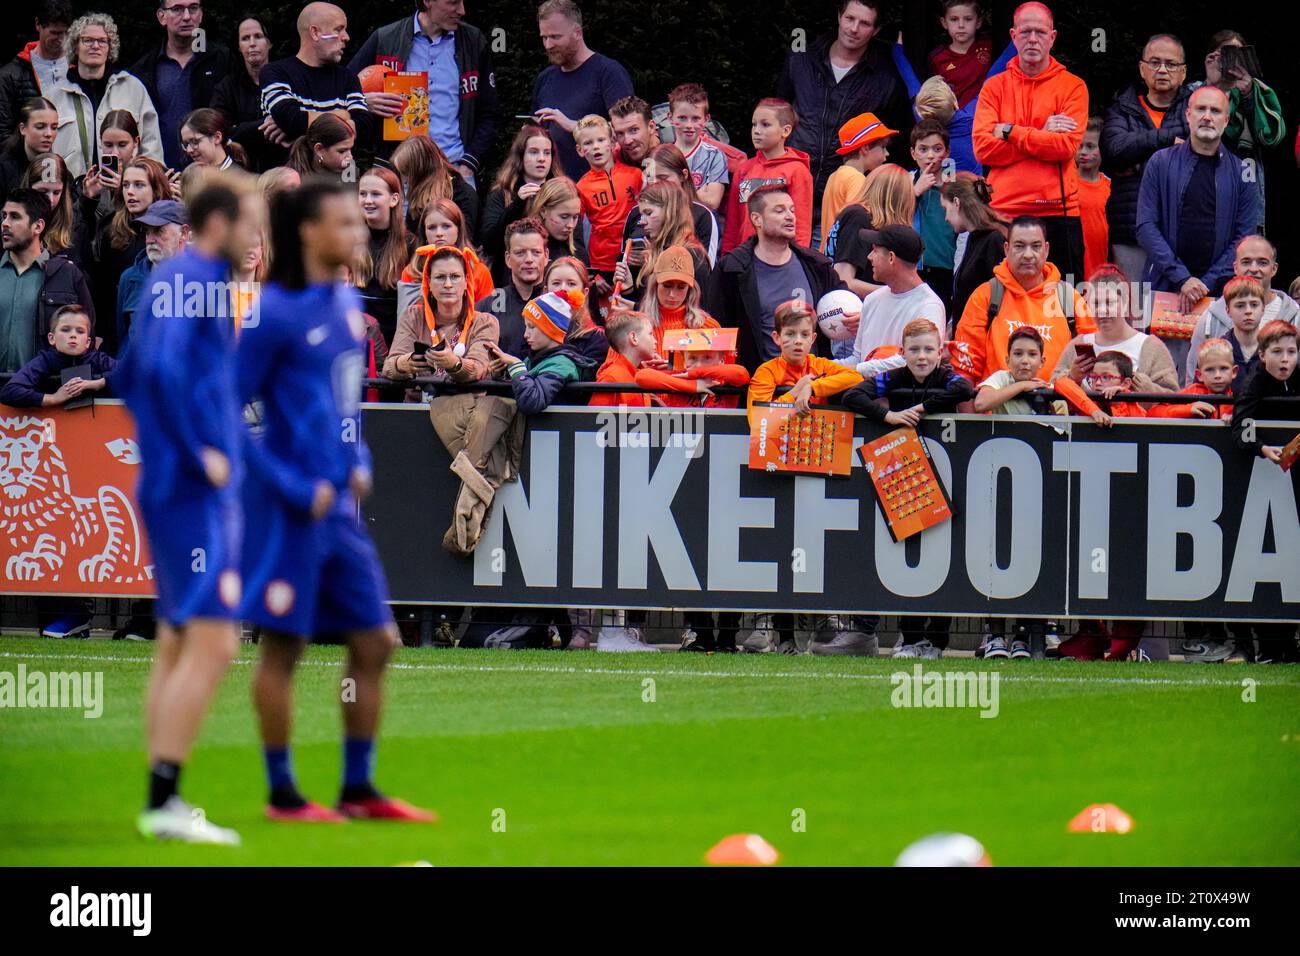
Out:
{"x": 309, "y": 567}
{"x": 178, "y": 380}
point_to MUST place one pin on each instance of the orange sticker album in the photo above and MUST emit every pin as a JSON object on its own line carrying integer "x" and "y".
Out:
{"x": 700, "y": 340}
{"x": 1169, "y": 321}
{"x": 1290, "y": 453}
{"x": 413, "y": 120}
{"x": 818, "y": 442}
{"x": 911, "y": 495}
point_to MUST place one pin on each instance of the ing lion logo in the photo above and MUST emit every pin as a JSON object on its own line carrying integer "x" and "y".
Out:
{"x": 47, "y": 529}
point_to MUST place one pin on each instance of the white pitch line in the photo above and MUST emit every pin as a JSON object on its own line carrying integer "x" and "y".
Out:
{"x": 784, "y": 675}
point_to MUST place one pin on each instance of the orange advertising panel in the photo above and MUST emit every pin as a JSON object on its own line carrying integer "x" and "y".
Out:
{"x": 910, "y": 494}
{"x": 818, "y": 442}
{"x": 68, "y": 520}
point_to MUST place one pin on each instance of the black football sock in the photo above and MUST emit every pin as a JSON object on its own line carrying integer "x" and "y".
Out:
{"x": 286, "y": 797}
{"x": 359, "y": 791}
{"x": 164, "y": 778}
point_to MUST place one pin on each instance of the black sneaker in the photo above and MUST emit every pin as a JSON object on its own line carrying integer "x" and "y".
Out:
{"x": 693, "y": 641}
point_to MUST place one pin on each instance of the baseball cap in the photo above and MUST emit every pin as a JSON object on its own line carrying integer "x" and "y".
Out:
{"x": 675, "y": 263}
{"x": 861, "y": 130}
{"x": 902, "y": 241}
{"x": 165, "y": 212}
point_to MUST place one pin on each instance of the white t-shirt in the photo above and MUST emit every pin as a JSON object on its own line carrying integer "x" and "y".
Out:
{"x": 885, "y": 315}
{"x": 1016, "y": 406}
{"x": 1131, "y": 346}
{"x": 840, "y": 71}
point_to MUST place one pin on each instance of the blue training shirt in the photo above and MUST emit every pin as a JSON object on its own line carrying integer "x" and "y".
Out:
{"x": 302, "y": 355}
{"x": 177, "y": 375}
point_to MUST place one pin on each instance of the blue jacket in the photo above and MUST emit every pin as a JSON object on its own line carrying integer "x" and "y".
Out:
{"x": 42, "y": 376}
{"x": 178, "y": 376}
{"x": 537, "y": 381}
{"x": 1160, "y": 198}
{"x": 304, "y": 359}
{"x": 960, "y": 147}
{"x": 130, "y": 287}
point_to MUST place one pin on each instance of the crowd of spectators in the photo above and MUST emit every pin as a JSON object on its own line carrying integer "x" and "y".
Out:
{"x": 1017, "y": 266}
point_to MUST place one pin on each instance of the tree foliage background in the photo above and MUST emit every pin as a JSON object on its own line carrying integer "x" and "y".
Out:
{"x": 735, "y": 48}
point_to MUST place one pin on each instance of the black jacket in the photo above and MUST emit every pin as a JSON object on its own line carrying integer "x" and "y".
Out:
{"x": 13, "y": 165}
{"x": 240, "y": 99}
{"x": 983, "y": 252}
{"x": 64, "y": 284}
{"x": 18, "y": 84}
{"x": 941, "y": 391}
{"x": 478, "y": 82}
{"x": 823, "y": 105}
{"x": 732, "y": 296}
{"x": 508, "y": 307}
{"x": 210, "y": 67}
{"x": 1259, "y": 388}
{"x": 1128, "y": 139}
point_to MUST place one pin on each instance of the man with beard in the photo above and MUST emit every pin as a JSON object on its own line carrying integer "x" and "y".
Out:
{"x": 578, "y": 82}
{"x": 1195, "y": 204}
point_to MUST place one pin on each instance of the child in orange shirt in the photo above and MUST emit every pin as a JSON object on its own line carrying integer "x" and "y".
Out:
{"x": 1215, "y": 371}
{"x": 1111, "y": 375}
{"x": 773, "y": 164}
{"x": 708, "y": 360}
{"x": 1094, "y": 193}
{"x": 608, "y": 193}
{"x": 814, "y": 379}
{"x": 631, "y": 345}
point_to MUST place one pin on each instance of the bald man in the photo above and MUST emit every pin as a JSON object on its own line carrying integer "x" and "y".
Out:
{"x": 298, "y": 89}
{"x": 1027, "y": 128}
{"x": 1195, "y": 205}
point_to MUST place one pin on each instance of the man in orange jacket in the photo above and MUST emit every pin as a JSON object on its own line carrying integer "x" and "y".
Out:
{"x": 1031, "y": 293}
{"x": 1028, "y": 126}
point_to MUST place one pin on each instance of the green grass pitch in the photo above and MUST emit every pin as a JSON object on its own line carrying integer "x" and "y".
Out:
{"x": 549, "y": 758}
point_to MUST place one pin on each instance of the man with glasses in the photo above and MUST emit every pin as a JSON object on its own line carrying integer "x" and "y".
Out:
{"x": 1145, "y": 117}
{"x": 181, "y": 72}
{"x": 1028, "y": 126}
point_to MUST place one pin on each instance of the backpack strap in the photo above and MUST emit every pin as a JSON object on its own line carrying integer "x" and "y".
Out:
{"x": 996, "y": 291}
{"x": 1065, "y": 296}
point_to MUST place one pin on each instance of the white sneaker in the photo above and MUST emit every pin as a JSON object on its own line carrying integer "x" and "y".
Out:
{"x": 177, "y": 820}
{"x": 763, "y": 639}
{"x": 922, "y": 649}
{"x": 622, "y": 640}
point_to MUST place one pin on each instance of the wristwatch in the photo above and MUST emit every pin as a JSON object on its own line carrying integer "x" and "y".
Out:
{"x": 1006, "y": 130}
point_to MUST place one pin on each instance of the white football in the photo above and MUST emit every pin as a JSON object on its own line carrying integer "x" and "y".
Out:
{"x": 833, "y": 308}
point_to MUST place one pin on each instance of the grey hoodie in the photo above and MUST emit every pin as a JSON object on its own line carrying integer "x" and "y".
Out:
{"x": 1215, "y": 323}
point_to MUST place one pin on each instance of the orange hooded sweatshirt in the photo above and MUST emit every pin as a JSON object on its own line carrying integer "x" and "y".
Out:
{"x": 1026, "y": 169}
{"x": 978, "y": 349}
{"x": 754, "y": 174}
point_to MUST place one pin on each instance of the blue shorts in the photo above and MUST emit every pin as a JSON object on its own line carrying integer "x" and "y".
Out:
{"x": 194, "y": 538}
{"x": 309, "y": 577}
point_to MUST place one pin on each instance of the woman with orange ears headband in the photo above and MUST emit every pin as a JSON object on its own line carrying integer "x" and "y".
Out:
{"x": 440, "y": 334}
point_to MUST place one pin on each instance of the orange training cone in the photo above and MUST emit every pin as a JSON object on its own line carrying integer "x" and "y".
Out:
{"x": 1101, "y": 818}
{"x": 742, "y": 849}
